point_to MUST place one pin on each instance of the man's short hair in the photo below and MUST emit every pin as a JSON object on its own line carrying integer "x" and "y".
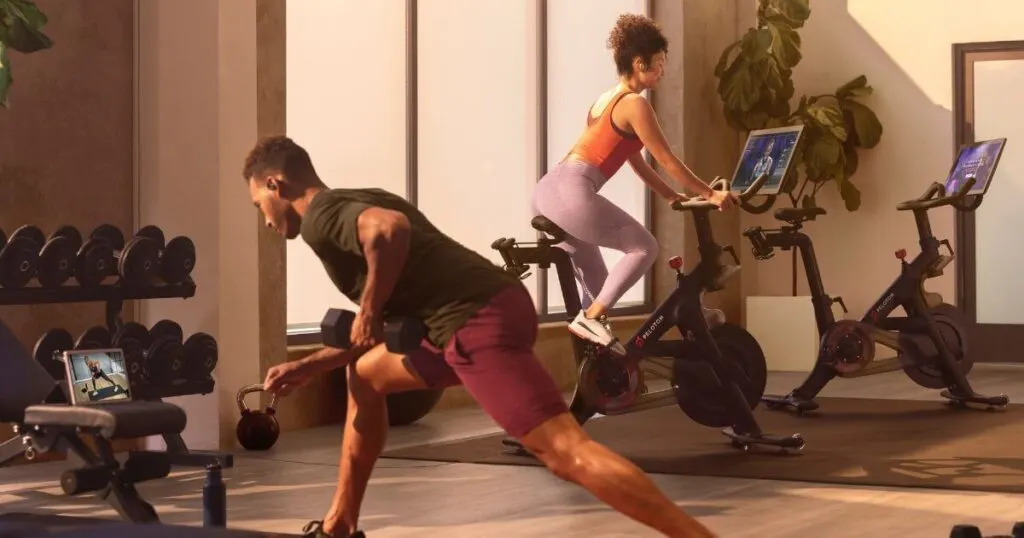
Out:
{"x": 279, "y": 154}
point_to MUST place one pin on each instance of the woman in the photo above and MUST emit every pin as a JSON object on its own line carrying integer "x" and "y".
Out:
{"x": 619, "y": 124}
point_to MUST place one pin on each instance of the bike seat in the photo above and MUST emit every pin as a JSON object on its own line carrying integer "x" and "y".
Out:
{"x": 798, "y": 214}
{"x": 541, "y": 223}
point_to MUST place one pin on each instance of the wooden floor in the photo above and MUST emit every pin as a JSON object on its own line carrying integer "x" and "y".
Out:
{"x": 281, "y": 490}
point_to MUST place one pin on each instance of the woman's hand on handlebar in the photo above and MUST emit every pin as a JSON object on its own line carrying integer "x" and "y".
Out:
{"x": 679, "y": 197}
{"x": 723, "y": 199}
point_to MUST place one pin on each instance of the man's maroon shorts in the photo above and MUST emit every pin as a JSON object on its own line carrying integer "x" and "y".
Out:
{"x": 492, "y": 356}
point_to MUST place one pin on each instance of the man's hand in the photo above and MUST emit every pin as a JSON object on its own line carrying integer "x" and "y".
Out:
{"x": 367, "y": 331}
{"x": 284, "y": 378}
{"x": 723, "y": 199}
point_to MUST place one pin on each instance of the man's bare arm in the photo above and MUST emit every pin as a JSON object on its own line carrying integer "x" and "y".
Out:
{"x": 384, "y": 235}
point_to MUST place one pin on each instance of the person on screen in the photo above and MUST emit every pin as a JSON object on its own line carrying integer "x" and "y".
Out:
{"x": 619, "y": 125}
{"x": 385, "y": 255}
{"x": 764, "y": 164}
{"x": 97, "y": 373}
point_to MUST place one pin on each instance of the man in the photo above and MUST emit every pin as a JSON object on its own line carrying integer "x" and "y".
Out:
{"x": 383, "y": 254}
{"x": 97, "y": 373}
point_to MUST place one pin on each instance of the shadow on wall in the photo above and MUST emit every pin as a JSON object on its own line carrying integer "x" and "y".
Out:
{"x": 856, "y": 250}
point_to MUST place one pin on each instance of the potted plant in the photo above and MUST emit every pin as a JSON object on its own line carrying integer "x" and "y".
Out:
{"x": 756, "y": 89}
{"x": 21, "y": 24}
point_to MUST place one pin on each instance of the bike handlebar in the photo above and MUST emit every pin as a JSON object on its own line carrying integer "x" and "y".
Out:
{"x": 935, "y": 196}
{"x": 701, "y": 203}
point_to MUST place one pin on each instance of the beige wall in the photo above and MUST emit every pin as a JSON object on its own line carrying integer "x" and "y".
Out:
{"x": 686, "y": 101}
{"x": 198, "y": 118}
{"x": 911, "y": 70}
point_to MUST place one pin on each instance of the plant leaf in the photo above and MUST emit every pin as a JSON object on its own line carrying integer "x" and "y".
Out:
{"x": 24, "y": 27}
{"x": 756, "y": 44}
{"x": 792, "y": 13}
{"x": 729, "y": 55}
{"x": 829, "y": 117}
{"x": 735, "y": 119}
{"x": 857, "y": 87}
{"x": 29, "y": 12}
{"x": 850, "y": 194}
{"x": 738, "y": 89}
{"x": 788, "y": 89}
{"x": 864, "y": 123}
{"x": 852, "y": 159}
{"x": 785, "y": 45}
{"x": 6, "y": 79}
{"x": 822, "y": 156}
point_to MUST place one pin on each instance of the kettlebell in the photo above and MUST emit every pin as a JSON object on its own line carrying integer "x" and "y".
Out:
{"x": 257, "y": 430}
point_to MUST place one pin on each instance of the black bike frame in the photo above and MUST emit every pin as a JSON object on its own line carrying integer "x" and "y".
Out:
{"x": 906, "y": 291}
{"x": 682, "y": 309}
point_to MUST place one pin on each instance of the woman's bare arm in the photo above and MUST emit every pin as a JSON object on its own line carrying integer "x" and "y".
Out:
{"x": 651, "y": 177}
{"x": 641, "y": 118}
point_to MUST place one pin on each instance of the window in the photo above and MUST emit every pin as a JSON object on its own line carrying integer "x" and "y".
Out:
{"x": 463, "y": 131}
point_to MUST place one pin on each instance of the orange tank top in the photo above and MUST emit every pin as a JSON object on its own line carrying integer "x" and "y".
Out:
{"x": 605, "y": 145}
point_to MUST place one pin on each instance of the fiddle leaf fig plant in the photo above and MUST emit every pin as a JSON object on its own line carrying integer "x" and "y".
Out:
{"x": 21, "y": 30}
{"x": 756, "y": 87}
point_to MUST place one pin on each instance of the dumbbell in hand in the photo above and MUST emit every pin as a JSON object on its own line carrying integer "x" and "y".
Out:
{"x": 401, "y": 334}
{"x": 137, "y": 261}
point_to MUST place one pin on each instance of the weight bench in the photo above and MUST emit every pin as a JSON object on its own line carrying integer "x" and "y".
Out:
{"x": 44, "y": 422}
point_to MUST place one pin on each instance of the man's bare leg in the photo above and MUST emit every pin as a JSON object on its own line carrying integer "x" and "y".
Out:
{"x": 571, "y": 455}
{"x": 370, "y": 379}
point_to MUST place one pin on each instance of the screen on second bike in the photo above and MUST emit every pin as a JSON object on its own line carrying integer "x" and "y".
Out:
{"x": 768, "y": 151}
{"x": 977, "y": 160}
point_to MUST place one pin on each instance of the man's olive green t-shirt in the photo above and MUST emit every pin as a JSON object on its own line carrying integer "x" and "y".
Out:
{"x": 442, "y": 283}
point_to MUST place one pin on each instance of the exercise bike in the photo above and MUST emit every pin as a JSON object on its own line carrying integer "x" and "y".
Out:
{"x": 717, "y": 375}
{"x": 930, "y": 341}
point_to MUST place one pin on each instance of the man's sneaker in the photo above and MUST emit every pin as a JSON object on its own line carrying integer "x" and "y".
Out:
{"x": 595, "y": 331}
{"x": 315, "y": 529}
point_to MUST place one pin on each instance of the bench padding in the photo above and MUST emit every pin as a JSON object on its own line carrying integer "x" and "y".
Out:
{"x": 115, "y": 420}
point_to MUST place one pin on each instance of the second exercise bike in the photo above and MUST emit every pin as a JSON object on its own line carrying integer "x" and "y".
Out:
{"x": 930, "y": 341}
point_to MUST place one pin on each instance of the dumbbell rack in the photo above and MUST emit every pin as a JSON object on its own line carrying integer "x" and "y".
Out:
{"x": 114, "y": 295}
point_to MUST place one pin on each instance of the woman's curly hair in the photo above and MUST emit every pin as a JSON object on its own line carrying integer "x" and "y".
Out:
{"x": 635, "y": 35}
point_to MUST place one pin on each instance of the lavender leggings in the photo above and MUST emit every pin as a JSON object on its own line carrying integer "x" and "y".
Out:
{"x": 568, "y": 196}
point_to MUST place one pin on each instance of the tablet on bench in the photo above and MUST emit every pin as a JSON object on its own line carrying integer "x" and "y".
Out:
{"x": 96, "y": 376}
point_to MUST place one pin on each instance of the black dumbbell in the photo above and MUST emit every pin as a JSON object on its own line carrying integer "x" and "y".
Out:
{"x": 93, "y": 259}
{"x": 401, "y": 334}
{"x": 160, "y": 355}
{"x": 57, "y": 257}
{"x": 199, "y": 352}
{"x": 177, "y": 257}
{"x": 97, "y": 337}
{"x": 137, "y": 260}
{"x": 965, "y": 531}
{"x": 19, "y": 258}
{"x": 200, "y": 356}
{"x": 29, "y": 253}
